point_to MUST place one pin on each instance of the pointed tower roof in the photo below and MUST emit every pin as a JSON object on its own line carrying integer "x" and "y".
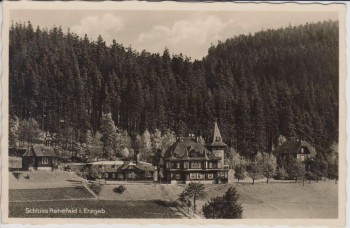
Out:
{"x": 217, "y": 135}
{"x": 217, "y": 139}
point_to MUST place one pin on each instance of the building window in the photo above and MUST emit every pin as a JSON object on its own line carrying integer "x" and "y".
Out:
{"x": 217, "y": 139}
{"x": 302, "y": 158}
{"x": 32, "y": 161}
{"x": 186, "y": 165}
{"x": 113, "y": 175}
{"x": 45, "y": 160}
{"x": 302, "y": 150}
{"x": 177, "y": 176}
{"x": 178, "y": 165}
{"x": 195, "y": 165}
{"x": 210, "y": 164}
{"x": 210, "y": 176}
{"x": 219, "y": 165}
{"x": 148, "y": 174}
{"x": 199, "y": 176}
{"x": 120, "y": 176}
{"x": 192, "y": 176}
{"x": 106, "y": 175}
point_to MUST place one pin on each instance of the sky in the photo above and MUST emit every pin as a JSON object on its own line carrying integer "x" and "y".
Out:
{"x": 188, "y": 32}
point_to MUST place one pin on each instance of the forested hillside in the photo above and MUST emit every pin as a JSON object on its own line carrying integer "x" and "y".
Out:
{"x": 261, "y": 86}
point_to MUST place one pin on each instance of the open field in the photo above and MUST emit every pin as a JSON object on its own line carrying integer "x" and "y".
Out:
{"x": 78, "y": 192}
{"x": 273, "y": 200}
{"x": 142, "y": 192}
{"x": 44, "y": 179}
{"x": 112, "y": 209}
{"x": 284, "y": 200}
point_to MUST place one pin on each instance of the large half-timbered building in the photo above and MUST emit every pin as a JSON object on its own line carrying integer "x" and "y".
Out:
{"x": 188, "y": 160}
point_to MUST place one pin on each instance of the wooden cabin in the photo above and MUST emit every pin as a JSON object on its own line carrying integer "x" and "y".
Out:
{"x": 40, "y": 157}
{"x": 294, "y": 149}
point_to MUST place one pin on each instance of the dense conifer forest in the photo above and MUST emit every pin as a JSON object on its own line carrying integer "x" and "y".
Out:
{"x": 258, "y": 86}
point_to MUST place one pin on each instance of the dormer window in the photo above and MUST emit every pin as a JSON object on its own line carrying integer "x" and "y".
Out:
{"x": 217, "y": 139}
{"x": 302, "y": 150}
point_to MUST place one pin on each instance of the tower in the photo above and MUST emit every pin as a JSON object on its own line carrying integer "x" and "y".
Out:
{"x": 218, "y": 146}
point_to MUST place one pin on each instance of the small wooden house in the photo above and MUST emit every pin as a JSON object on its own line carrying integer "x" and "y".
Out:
{"x": 294, "y": 149}
{"x": 40, "y": 157}
{"x": 137, "y": 171}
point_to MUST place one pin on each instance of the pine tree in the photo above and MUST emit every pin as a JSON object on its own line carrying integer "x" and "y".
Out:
{"x": 62, "y": 76}
{"x": 109, "y": 135}
{"x": 13, "y": 131}
{"x": 195, "y": 191}
{"x": 28, "y": 131}
{"x": 226, "y": 206}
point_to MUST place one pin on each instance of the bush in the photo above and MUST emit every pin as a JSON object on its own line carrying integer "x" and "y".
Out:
{"x": 281, "y": 174}
{"x": 96, "y": 188}
{"x": 311, "y": 176}
{"x": 295, "y": 169}
{"x": 318, "y": 168}
{"x": 119, "y": 189}
{"x": 67, "y": 168}
{"x": 92, "y": 174}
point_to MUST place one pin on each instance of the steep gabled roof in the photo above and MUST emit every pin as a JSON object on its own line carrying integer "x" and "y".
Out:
{"x": 216, "y": 132}
{"x": 293, "y": 147}
{"x": 217, "y": 139}
{"x": 186, "y": 148}
{"x": 41, "y": 151}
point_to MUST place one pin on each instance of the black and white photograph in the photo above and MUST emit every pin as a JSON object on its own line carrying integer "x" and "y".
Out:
{"x": 174, "y": 113}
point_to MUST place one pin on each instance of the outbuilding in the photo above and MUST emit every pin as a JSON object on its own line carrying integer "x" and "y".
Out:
{"x": 40, "y": 157}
